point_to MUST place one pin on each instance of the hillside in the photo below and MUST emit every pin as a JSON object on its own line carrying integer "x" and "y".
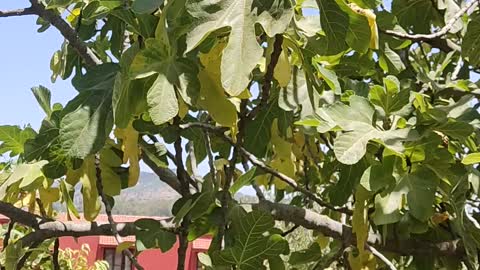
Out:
{"x": 150, "y": 197}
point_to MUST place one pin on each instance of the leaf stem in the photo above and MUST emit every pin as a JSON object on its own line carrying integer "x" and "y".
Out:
{"x": 267, "y": 84}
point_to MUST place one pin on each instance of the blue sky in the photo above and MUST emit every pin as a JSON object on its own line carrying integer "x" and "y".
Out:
{"x": 25, "y": 62}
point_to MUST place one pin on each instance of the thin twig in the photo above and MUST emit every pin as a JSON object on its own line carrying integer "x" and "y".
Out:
{"x": 56, "y": 247}
{"x": 211, "y": 160}
{"x": 255, "y": 161}
{"x": 67, "y": 32}
{"x": 258, "y": 192}
{"x": 17, "y": 12}
{"x": 193, "y": 161}
{"x": 443, "y": 31}
{"x": 41, "y": 208}
{"x": 457, "y": 69}
{"x": 25, "y": 256}
{"x": 224, "y": 200}
{"x": 11, "y": 224}
{"x": 108, "y": 211}
{"x": 292, "y": 183}
{"x": 173, "y": 158}
{"x": 7, "y": 236}
{"x": 267, "y": 84}
{"x": 185, "y": 191}
{"x": 289, "y": 231}
{"x": 181, "y": 172}
{"x": 168, "y": 153}
{"x": 384, "y": 259}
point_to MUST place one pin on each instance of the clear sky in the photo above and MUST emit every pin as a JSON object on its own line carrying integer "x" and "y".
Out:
{"x": 24, "y": 63}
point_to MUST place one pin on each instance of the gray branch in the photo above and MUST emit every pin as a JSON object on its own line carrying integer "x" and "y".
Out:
{"x": 46, "y": 228}
{"x": 53, "y": 229}
{"x": 329, "y": 227}
{"x": 17, "y": 12}
{"x": 67, "y": 32}
{"x": 443, "y": 31}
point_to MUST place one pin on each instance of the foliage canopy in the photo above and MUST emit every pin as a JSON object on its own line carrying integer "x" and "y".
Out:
{"x": 360, "y": 117}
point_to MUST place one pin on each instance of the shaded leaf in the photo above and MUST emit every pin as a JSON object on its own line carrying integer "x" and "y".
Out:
{"x": 150, "y": 234}
{"x": 43, "y": 96}
{"x": 146, "y": 6}
{"x": 471, "y": 40}
{"x": 87, "y": 119}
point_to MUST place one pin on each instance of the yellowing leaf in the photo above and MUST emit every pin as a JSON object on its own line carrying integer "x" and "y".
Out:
{"x": 472, "y": 158}
{"x": 88, "y": 178}
{"x": 27, "y": 176}
{"x": 283, "y": 70}
{"x": 49, "y": 195}
{"x": 243, "y": 51}
{"x": 73, "y": 176}
{"x": 323, "y": 241}
{"x": 73, "y": 15}
{"x": 372, "y": 22}
{"x": 283, "y": 159}
{"x": 365, "y": 260}
{"x": 131, "y": 152}
{"x": 263, "y": 180}
{"x": 25, "y": 200}
{"x": 212, "y": 94}
{"x": 123, "y": 246}
{"x": 112, "y": 184}
{"x": 182, "y": 108}
{"x": 245, "y": 94}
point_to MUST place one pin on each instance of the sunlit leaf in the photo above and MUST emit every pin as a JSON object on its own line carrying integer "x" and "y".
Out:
{"x": 243, "y": 52}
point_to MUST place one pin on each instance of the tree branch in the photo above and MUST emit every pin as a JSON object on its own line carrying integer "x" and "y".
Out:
{"x": 165, "y": 174}
{"x": 56, "y": 247}
{"x": 282, "y": 212}
{"x": 17, "y": 12}
{"x": 443, "y": 31}
{"x": 331, "y": 228}
{"x": 108, "y": 211}
{"x": 267, "y": 84}
{"x": 185, "y": 191}
{"x": 21, "y": 216}
{"x": 255, "y": 161}
{"x": 384, "y": 259}
{"x": 67, "y": 32}
{"x": 52, "y": 229}
{"x": 289, "y": 231}
{"x": 211, "y": 160}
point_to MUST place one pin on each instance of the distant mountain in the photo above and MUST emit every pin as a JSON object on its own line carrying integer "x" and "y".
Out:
{"x": 150, "y": 197}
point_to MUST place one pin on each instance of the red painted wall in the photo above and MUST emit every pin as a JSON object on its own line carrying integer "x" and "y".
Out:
{"x": 149, "y": 259}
